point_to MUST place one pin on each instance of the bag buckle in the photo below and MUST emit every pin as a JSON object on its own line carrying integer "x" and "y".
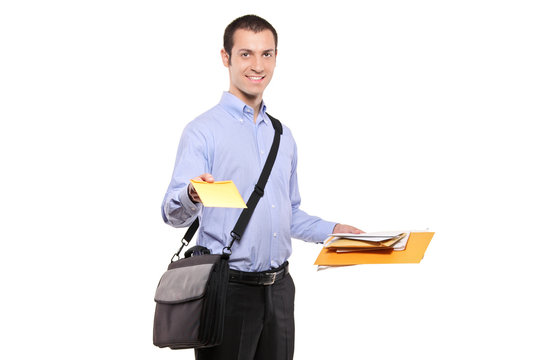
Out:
{"x": 177, "y": 254}
{"x": 226, "y": 251}
{"x": 258, "y": 191}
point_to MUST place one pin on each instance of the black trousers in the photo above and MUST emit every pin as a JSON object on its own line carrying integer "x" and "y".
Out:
{"x": 259, "y": 323}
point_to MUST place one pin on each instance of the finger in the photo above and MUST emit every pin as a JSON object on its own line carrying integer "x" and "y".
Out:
{"x": 207, "y": 177}
{"x": 204, "y": 177}
{"x": 354, "y": 230}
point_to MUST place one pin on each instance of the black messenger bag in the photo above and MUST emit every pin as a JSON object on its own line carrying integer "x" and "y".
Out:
{"x": 190, "y": 302}
{"x": 191, "y": 295}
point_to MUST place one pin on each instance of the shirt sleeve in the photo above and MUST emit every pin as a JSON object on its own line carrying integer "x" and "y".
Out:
{"x": 305, "y": 227}
{"x": 191, "y": 161}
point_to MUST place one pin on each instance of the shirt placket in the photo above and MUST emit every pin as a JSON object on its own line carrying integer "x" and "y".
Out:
{"x": 263, "y": 151}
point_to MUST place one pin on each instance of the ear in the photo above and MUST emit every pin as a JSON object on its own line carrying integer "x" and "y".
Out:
{"x": 225, "y": 58}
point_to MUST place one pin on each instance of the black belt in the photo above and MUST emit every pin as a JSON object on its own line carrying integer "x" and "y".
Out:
{"x": 259, "y": 278}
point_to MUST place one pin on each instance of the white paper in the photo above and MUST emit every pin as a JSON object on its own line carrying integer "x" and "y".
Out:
{"x": 375, "y": 236}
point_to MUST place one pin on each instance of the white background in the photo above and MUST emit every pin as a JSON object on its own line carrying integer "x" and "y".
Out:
{"x": 407, "y": 114}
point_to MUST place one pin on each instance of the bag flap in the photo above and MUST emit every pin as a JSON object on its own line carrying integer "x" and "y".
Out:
{"x": 183, "y": 284}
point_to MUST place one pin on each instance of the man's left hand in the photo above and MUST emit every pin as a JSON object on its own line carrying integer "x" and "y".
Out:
{"x": 346, "y": 229}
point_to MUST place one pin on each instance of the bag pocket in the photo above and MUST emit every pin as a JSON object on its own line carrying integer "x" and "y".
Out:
{"x": 183, "y": 284}
{"x": 180, "y": 298}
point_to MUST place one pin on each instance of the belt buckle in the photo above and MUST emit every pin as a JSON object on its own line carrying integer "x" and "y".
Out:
{"x": 272, "y": 277}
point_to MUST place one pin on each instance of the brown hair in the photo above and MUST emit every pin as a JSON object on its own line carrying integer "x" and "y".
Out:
{"x": 246, "y": 22}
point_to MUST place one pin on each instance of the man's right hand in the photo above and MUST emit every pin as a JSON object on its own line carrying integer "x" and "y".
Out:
{"x": 191, "y": 190}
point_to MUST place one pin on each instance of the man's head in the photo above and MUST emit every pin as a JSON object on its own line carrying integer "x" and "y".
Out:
{"x": 251, "y": 42}
{"x": 248, "y": 22}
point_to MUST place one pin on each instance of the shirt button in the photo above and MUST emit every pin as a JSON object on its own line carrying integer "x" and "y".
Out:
{"x": 274, "y": 234}
{"x": 262, "y": 152}
{"x": 193, "y": 208}
{"x": 273, "y": 206}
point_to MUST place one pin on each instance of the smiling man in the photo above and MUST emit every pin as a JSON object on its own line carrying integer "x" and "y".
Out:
{"x": 250, "y": 57}
{"x": 231, "y": 141}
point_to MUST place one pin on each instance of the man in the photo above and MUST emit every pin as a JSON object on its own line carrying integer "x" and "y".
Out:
{"x": 231, "y": 141}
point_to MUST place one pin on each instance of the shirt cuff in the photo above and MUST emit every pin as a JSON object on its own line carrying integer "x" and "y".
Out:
{"x": 188, "y": 205}
{"x": 324, "y": 229}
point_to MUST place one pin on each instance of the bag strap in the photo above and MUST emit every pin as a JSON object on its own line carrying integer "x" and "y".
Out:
{"x": 258, "y": 192}
{"x": 255, "y": 197}
{"x": 187, "y": 238}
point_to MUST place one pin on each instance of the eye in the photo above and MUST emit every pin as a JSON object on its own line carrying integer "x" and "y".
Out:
{"x": 245, "y": 54}
{"x": 268, "y": 54}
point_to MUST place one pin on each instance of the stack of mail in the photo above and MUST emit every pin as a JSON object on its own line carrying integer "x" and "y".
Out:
{"x": 385, "y": 240}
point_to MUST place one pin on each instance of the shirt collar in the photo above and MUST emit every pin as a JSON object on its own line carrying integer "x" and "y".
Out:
{"x": 241, "y": 111}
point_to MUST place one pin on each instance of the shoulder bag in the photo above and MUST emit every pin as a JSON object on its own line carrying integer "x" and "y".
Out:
{"x": 191, "y": 295}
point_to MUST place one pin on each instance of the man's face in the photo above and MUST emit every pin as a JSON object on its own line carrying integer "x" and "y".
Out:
{"x": 252, "y": 63}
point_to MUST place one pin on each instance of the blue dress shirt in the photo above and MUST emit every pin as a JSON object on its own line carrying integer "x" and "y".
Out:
{"x": 227, "y": 143}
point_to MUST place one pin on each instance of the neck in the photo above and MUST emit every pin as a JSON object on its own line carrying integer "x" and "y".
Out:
{"x": 250, "y": 100}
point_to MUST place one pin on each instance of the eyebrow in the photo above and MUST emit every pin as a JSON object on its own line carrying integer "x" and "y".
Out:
{"x": 249, "y": 50}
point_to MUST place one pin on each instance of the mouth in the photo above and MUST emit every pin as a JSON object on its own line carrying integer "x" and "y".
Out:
{"x": 255, "y": 78}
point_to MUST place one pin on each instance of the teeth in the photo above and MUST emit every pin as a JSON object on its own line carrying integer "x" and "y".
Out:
{"x": 255, "y": 77}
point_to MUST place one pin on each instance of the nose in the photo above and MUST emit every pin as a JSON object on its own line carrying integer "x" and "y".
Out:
{"x": 258, "y": 64}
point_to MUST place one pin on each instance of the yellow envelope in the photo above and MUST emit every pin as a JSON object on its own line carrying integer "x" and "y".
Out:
{"x": 219, "y": 194}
